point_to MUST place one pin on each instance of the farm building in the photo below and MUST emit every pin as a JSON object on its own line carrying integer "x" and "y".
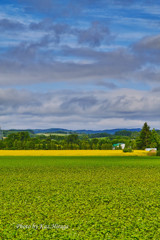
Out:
{"x": 117, "y": 145}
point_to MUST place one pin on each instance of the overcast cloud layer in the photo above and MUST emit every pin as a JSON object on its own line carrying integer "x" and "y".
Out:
{"x": 87, "y": 64}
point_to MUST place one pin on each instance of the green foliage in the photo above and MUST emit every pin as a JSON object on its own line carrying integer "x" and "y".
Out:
{"x": 99, "y": 135}
{"x": 155, "y": 139}
{"x": 127, "y": 150}
{"x": 87, "y": 197}
{"x": 158, "y": 152}
{"x": 133, "y": 144}
{"x": 135, "y": 134}
{"x": 144, "y": 140}
{"x": 123, "y": 133}
{"x": 6, "y": 133}
{"x": 158, "y": 132}
{"x": 20, "y": 136}
{"x": 106, "y": 146}
{"x": 72, "y": 138}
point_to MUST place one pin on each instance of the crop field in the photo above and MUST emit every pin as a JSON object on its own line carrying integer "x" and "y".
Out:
{"x": 50, "y": 134}
{"x": 71, "y": 153}
{"x": 95, "y": 198}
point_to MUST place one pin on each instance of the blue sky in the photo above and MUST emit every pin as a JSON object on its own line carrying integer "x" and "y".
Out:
{"x": 79, "y": 64}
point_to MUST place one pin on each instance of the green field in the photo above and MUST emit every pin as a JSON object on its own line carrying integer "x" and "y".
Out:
{"x": 80, "y": 198}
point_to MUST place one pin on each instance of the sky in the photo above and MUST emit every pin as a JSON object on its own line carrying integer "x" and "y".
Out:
{"x": 88, "y": 64}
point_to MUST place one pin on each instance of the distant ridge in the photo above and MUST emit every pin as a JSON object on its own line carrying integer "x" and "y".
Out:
{"x": 83, "y": 131}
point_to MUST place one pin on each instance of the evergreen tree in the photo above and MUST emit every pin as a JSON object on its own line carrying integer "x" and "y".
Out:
{"x": 144, "y": 140}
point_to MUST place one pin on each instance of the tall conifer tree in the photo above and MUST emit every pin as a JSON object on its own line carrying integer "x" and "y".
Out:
{"x": 144, "y": 139}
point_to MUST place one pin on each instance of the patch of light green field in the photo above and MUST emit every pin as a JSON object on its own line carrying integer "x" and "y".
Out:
{"x": 80, "y": 198}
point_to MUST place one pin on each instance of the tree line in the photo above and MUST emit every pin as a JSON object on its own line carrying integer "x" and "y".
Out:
{"x": 24, "y": 140}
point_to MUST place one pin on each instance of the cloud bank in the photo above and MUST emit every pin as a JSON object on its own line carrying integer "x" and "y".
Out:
{"x": 94, "y": 110}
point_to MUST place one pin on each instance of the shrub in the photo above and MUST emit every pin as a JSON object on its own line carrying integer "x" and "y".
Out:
{"x": 127, "y": 150}
{"x": 158, "y": 153}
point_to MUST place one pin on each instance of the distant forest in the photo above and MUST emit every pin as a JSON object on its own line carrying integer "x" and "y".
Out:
{"x": 101, "y": 141}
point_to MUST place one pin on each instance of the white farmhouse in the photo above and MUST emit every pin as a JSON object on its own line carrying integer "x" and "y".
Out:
{"x": 117, "y": 145}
